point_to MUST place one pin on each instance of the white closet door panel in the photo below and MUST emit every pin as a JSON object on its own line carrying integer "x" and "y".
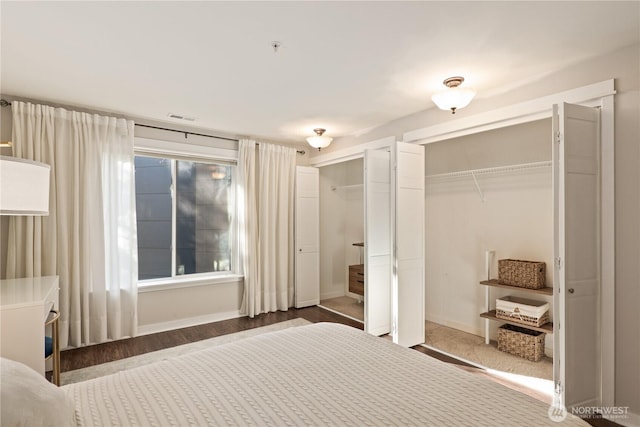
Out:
{"x": 582, "y": 375}
{"x": 307, "y": 283}
{"x": 410, "y": 303}
{"x": 408, "y": 278}
{"x": 307, "y": 184}
{"x": 577, "y": 247}
{"x": 307, "y": 237}
{"x": 307, "y": 232}
{"x": 377, "y": 294}
{"x": 581, "y": 214}
{"x": 409, "y": 226}
{"x": 378, "y": 221}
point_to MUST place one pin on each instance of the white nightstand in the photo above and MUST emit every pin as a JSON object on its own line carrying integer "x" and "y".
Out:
{"x": 24, "y": 307}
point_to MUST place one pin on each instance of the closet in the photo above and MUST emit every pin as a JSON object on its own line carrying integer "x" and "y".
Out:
{"x": 392, "y": 215}
{"x": 555, "y": 216}
{"x": 490, "y": 191}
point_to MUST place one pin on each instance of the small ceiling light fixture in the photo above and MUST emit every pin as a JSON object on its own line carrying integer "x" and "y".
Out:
{"x": 218, "y": 172}
{"x": 319, "y": 141}
{"x": 454, "y": 97}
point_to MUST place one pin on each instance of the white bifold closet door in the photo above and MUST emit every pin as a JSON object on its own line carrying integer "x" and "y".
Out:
{"x": 377, "y": 229}
{"x": 307, "y": 237}
{"x": 577, "y": 254}
{"x": 408, "y": 244}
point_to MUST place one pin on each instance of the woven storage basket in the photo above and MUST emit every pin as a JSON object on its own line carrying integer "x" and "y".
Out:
{"x": 521, "y": 342}
{"x": 521, "y": 310}
{"x": 523, "y": 274}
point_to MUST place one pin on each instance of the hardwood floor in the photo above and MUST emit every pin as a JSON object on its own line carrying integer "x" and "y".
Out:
{"x": 115, "y": 350}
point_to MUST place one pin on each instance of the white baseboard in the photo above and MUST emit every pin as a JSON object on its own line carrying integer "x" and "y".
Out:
{"x": 356, "y": 296}
{"x": 185, "y": 323}
{"x": 455, "y": 325}
{"x": 333, "y": 294}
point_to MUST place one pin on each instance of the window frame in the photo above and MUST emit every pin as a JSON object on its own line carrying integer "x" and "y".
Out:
{"x": 175, "y": 152}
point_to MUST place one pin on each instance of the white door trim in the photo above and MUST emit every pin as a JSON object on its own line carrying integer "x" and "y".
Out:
{"x": 350, "y": 153}
{"x": 607, "y": 245}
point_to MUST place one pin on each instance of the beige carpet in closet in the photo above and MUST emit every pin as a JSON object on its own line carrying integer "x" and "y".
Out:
{"x": 472, "y": 348}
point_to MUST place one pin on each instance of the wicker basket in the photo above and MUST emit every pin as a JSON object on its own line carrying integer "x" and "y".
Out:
{"x": 521, "y": 310}
{"x": 523, "y": 274}
{"x": 521, "y": 342}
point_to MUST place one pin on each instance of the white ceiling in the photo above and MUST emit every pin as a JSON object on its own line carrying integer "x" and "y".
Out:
{"x": 346, "y": 66}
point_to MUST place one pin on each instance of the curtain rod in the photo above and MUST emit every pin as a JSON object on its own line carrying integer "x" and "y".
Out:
{"x": 5, "y": 103}
{"x": 186, "y": 133}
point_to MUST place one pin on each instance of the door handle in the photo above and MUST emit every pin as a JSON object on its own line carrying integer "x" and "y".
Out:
{"x": 300, "y": 250}
{"x": 571, "y": 290}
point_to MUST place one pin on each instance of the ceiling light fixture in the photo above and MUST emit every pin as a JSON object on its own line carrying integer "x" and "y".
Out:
{"x": 454, "y": 97}
{"x": 319, "y": 141}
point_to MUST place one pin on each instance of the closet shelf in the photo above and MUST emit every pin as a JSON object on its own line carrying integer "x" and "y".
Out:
{"x": 498, "y": 169}
{"x": 546, "y": 328}
{"x": 346, "y": 189}
{"x": 497, "y": 284}
{"x": 354, "y": 187}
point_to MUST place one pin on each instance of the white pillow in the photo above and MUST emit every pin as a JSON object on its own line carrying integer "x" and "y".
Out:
{"x": 28, "y": 399}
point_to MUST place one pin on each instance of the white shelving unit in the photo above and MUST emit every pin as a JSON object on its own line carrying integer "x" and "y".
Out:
{"x": 473, "y": 173}
{"x": 490, "y": 315}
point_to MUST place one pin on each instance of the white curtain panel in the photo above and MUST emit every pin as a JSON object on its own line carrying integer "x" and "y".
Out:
{"x": 89, "y": 237}
{"x": 248, "y": 226}
{"x": 275, "y": 222}
{"x": 265, "y": 212}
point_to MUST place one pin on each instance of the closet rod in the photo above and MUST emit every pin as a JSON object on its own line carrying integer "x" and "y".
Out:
{"x": 498, "y": 169}
{"x": 4, "y": 103}
{"x": 200, "y": 134}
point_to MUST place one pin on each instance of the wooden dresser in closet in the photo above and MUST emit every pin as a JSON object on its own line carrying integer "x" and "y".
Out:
{"x": 356, "y": 279}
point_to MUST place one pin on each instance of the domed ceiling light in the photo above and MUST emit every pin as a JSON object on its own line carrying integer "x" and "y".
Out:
{"x": 319, "y": 141}
{"x": 454, "y": 97}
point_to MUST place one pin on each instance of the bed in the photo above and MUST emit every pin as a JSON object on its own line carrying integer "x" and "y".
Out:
{"x": 319, "y": 374}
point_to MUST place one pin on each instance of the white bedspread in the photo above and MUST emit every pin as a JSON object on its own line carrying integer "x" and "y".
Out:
{"x": 321, "y": 374}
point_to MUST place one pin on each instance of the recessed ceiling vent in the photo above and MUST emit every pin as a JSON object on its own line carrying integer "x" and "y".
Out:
{"x": 179, "y": 117}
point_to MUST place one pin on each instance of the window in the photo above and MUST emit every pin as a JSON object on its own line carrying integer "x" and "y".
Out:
{"x": 184, "y": 217}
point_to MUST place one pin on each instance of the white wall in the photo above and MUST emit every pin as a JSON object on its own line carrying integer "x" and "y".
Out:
{"x": 341, "y": 225}
{"x": 166, "y": 309}
{"x": 515, "y": 219}
{"x": 624, "y": 66}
